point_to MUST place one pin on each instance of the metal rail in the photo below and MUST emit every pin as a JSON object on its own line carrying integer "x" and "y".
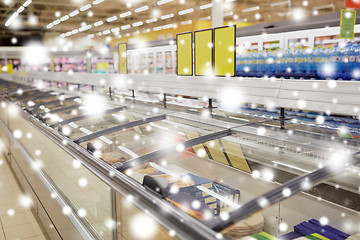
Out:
{"x": 276, "y": 195}
{"x": 118, "y": 128}
{"x": 171, "y": 149}
{"x": 74, "y": 119}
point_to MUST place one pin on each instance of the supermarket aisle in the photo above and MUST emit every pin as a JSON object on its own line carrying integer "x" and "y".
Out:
{"x": 16, "y": 219}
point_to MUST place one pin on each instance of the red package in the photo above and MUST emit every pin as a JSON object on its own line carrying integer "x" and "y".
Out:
{"x": 352, "y": 4}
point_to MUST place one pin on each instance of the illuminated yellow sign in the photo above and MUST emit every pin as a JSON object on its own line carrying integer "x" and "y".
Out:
{"x": 184, "y": 54}
{"x": 224, "y": 51}
{"x": 204, "y": 52}
{"x": 123, "y": 58}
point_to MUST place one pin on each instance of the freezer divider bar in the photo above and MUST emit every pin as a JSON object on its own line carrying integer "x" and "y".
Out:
{"x": 171, "y": 149}
{"x": 118, "y": 128}
{"x": 85, "y": 116}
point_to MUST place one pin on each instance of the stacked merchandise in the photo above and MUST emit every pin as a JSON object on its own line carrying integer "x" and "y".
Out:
{"x": 260, "y": 236}
{"x": 251, "y": 225}
{"x": 321, "y": 62}
{"x": 313, "y": 230}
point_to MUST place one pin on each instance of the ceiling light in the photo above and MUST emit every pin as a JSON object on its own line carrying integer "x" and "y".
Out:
{"x": 125, "y": 14}
{"x": 74, "y": 13}
{"x": 251, "y": 9}
{"x": 279, "y": 3}
{"x": 209, "y": 5}
{"x": 167, "y": 16}
{"x": 151, "y": 20}
{"x": 91, "y": 36}
{"x": 75, "y": 31}
{"x": 186, "y": 11}
{"x": 64, "y": 18}
{"x": 161, "y": 2}
{"x": 83, "y": 24}
{"x": 137, "y": 24}
{"x": 111, "y": 19}
{"x": 181, "y": 1}
{"x": 136, "y": 33}
{"x": 50, "y": 25}
{"x": 62, "y": 35}
{"x": 27, "y": 3}
{"x": 127, "y": 35}
{"x": 146, "y": 30}
{"x": 316, "y": 12}
{"x": 205, "y": 18}
{"x": 125, "y": 27}
{"x": 157, "y": 28}
{"x": 228, "y": 14}
{"x": 305, "y": 3}
{"x": 82, "y": 29}
{"x": 186, "y": 22}
{"x": 96, "y": 2}
{"x": 324, "y": 6}
{"x": 106, "y": 32}
{"x": 114, "y": 30}
{"x": 168, "y": 26}
{"x": 90, "y": 13}
{"x": 99, "y": 34}
{"x": 141, "y": 9}
{"x": 98, "y": 23}
{"x": 56, "y": 22}
{"x": 57, "y": 14}
{"x": 67, "y": 34}
{"x": 21, "y": 8}
{"x": 257, "y": 16}
{"x": 86, "y": 7}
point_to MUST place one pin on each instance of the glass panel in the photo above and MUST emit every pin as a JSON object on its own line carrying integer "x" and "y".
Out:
{"x": 205, "y": 180}
{"x": 52, "y": 118}
{"x": 97, "y": 123}
{"x": 135, "y": 224}
{"x": 33, "y": 99}
{"x": 15, "y": 92}
{"x": 58, "y": 105}
{"x": 131, "y": 143}
{"x": 89, "y": 195}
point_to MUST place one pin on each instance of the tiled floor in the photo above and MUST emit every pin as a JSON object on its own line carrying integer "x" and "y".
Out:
{"x": 16, "y": 221}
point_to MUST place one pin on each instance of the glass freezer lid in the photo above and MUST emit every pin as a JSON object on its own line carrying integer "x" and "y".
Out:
{"x": 53, "y": 118}
{"x": 36, "y": 99}
{"x": 61, "y": 102}
{"x": 87, "y": 126}
{"x": 198, "y": 180}
{"x": 130, "y": 143}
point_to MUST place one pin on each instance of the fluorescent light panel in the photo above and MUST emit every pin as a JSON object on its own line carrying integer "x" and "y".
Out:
{"x": 161, "y": 2}
{"x": 74, "y": 13}
{"x": 167, "y": 16}
{"x": 98, "y": 23}
{"x": 141, "y": 9}
{"x": 64, "y": 18}
{"x": 251, "y": 9}
{"x": 111, "y": 19}
{"x": 151, "y": 20}
{"x": 86, "y": 7}
{"x": 137, "y": 24}
{"x": 96, "y": 2}
{"x": 279, "y": 3}
{"x": 209, "y": 5}
{"x": 186, "y": 11}
{"x": 125, "y": 27}
{"x": 125, "y": 14}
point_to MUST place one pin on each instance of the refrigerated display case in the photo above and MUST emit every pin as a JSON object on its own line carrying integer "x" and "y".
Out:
{"x": 208, "y": 178}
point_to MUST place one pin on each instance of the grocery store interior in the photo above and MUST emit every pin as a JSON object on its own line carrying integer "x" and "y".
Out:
{"x": 180, "y": 119}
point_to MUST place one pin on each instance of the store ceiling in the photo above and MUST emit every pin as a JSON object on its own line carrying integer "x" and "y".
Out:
{"x": 41, "y": 13}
